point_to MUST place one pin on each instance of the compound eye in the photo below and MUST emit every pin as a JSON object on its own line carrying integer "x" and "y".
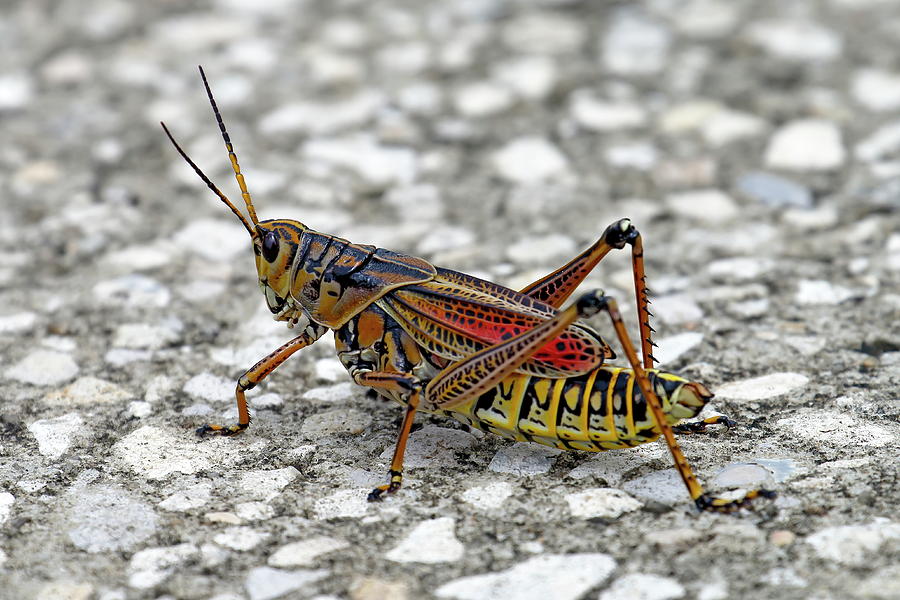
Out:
{"x": 270, "y": 247}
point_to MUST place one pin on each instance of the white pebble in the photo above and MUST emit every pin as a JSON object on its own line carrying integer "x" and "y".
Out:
{"x": 88, "y": 391}
{"x": 429, "y": 542}
{"x": 138, "y": 291}
{"x": 350, "y": 503}
{"x": 524, "y": 459}
{"x": 838, "y": 429}
{"x": 673, "y": 347}
{"x": 739, "y": 268}
{"x": 200, "y": 291}
{"x": 139, "y": 258}
{"x": 761, "y": 388}
{"x": 65, "y": 590}
{"x": 853, "y": 545}
{"x": 800, "y": 41}
{"x": 557, "y": 576}
{"x": 743, "y": 475}
{"x": 876, "y": 89}
{"x": 636, "y": 155}
{"x": 420, "y": 98}
{"x": 709, "y": 206}
{"x": 541, "y": 249}
{"x": 240, "y": 538}
{"x": 207, "y": 386}
{"x": 217, "y": 240}
{"x": 434, "y": 446}
{"x": 676, "y": 309}
{"x": 604, "y": 503}
{"x": 595, "y": 114}
{"x": 305, "y": 553}
{"x": 337, "y": 421}
{"x": 339, "y": 392}
{"x": 322, "y": 118}
{"x": 488, "y": 497}
{"x": 806, "y": 345}
{"x": 688, "y": 116}
{"x": 726, "y": 126}
{"x": 107, "y": 518}
{"x": 150, "y": 567}
{"x": 530, "y": 159}
{"x": 820, "y": 292}
{"x": 640, "y": 586}
{"x": 378, "y": 166}
{"x": 17, "y": 322}
{"x": 612, "y": 467}
{"x": 16, "y": 90}
{"x": 156, "y": 453}
{"x": 266, "y": 583}
{"x": 119, "y": 357}
{"x": 544, "y": 33}
{"x": 749, "y": 309}
{"x": 482, "y": 99}
{"x": 706, "y": 19}
{"x": 635, "y": 45}
{"x": 267, "y": 484}
{"x": 55, "y": 436}
{"x": 6, "y": 502}
{"x": 443, "y": 238}
{"x": 43, "y": 367}
{"x": 881, "y": 143}
{"x": 420, "y": 202}
{"x": 806, "y": 145}
{"x": 254, "y": 511}
{"x": 664, "y": 487}
{"x": 531, "y": 77}
{"x": 268, "y": 400}
{"x": 187, "y": 499}
{"x": 146, "y": 336}
{"x": 227, "y": 518}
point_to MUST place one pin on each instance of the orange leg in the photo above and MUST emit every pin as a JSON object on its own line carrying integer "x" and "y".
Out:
{"x": 703, "y": 500}
{"x": 559, "y": 285}
{"x": 257, "y": 373}
{"x": 405, "y": 385}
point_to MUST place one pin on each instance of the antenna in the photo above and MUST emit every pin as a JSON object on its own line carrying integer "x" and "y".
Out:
{"x": 211, "y": 185}
{"x": 231, "y": 155}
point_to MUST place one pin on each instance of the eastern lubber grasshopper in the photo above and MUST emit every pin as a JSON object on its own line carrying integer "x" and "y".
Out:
{"x": 504, "y": 361}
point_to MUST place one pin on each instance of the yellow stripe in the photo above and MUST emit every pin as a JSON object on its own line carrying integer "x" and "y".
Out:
{"x": 586, "y": 403}
{"x": 610, "y": 413}
{"x": 553, "y": 409}
{"x": 629, "y": 406}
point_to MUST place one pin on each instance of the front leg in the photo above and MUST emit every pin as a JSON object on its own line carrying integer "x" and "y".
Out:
{"x": 257, "y": 373}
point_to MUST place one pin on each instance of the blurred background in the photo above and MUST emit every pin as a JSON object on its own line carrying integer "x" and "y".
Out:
{"x": 756, "y": 145}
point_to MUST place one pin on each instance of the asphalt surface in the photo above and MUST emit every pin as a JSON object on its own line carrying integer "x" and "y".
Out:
{"x": 756, "y": 145}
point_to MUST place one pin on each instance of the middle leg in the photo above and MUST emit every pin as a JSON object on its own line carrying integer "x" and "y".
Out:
{"x": 405, "y": 385}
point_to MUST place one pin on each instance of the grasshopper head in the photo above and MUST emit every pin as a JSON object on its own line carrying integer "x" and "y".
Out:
{"x": 275, "y": 246}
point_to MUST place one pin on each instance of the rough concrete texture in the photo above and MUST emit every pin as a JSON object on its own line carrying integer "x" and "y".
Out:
{"x": 755, "y": 144}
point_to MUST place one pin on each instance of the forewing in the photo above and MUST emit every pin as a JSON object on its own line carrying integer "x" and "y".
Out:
{"x": 454, "y": 321}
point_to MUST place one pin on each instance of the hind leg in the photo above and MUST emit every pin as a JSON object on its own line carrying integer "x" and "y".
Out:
{"x": 703, "y": 500}
{"x": 559, "y": 285}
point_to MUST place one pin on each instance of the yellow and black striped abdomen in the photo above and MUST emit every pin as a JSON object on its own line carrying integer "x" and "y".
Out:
{"x": 600, "y": 410}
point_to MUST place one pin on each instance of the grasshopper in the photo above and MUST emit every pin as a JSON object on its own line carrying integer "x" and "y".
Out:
{"x": 513, "y": 363}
